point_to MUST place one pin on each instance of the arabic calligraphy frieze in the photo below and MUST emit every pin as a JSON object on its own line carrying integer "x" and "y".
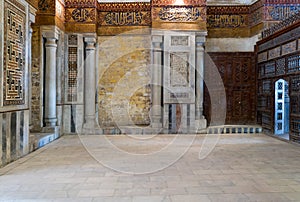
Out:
{"x": 227, "y": 21}
{"x": 125, "y": 18}
{"x": 81, "y": 15}
{"x": 181, "y": 14}
{"x": 280, "y": 12}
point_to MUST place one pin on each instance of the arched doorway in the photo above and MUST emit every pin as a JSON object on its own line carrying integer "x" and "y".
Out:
{"x": 282, "y": 109}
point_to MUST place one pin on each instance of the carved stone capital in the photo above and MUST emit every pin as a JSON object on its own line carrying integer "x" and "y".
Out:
{"x": 50, "y": 32}
{"x": 90, "y": 41}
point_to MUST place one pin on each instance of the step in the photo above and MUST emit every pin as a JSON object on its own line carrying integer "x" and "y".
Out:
{"x": 234, "y": 129}
{"x": 38, "y": 140}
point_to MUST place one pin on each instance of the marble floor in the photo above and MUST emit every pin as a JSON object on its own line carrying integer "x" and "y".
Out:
{"x": 160, "y": 168}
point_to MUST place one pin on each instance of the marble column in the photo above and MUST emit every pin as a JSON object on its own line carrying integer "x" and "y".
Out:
{"x": 200, "y": 119}
{"x": 29, "y": 74}
{"x": 90, "y": 124}
{"x": 50, "y": 117}
{"x": 156, "y": 113}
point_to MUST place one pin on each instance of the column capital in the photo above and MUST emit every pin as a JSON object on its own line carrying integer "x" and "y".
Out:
{"x": 32, "y": 14}
{"x": 50, "y": 32}
{"x": 51, "y": 42}
{"x": 200, "y": 40}
{"x": 90, "y": 38}
{"x": 90, "y": 41}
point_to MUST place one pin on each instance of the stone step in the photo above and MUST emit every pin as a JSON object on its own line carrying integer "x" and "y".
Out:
{"x": 234, "y": 129}
{"x": 38, "y": 140}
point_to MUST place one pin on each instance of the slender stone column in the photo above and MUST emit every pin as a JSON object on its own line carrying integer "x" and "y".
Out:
{"x": 50, "y": 80}
{"x": 90, "y": 85}
{"x": 200, "y": 119}
{"x": 29, "y": 74}
{"x": 156, "y": 112}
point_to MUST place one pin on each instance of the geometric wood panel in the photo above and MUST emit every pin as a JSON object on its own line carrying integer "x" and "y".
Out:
{"x": 238, "y": 73}
{"x": 285, "y": 65}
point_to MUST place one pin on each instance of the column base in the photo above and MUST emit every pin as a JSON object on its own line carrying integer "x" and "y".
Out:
{"x": 155, "y": 128}
{"x": 201, "y": 125}
{"x": 51, "y": 129}
{"x": 91, "y": 128}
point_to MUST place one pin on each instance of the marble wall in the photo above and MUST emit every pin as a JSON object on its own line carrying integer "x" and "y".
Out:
{"x": 14, "y": 135}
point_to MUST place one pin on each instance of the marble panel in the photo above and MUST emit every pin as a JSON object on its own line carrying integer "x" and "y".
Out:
{"x": 1, "y": 151}
{"x": 13, "y": 135}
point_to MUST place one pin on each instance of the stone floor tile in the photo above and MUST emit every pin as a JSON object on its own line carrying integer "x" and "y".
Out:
{"x": 240, "y": 168}
{"x": 240, "y": 189}
{"x": 276, "y": 197}
{"x": 192, "y": 198}
{"x": 228, "y": 197}
{"x": 132, "y": 192}
{"x": 168, "y": 191}
{"x": 96, "y": 192}
{"x": 204, "y": 190}
{"x": 112, "y": 199}
{"x": 151, "y": 199}
{"x": 292, "y": 196}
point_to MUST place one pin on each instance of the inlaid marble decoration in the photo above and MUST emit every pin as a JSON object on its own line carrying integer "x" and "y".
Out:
{"x": 179, "y": 64}
{"x": 289, "y": 48}
{"x": 80, "y": 3}
{"x": 274, "y": 53}
{"x": 179, "y": 40}
{"x": 72, "y": 68}
{"x": 14, "y": 53}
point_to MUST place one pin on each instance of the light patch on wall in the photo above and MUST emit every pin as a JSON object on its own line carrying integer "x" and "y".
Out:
{"x": 230, "y": 2}
{"x": 179, "y": 2}
{"x": 120, "y": 1}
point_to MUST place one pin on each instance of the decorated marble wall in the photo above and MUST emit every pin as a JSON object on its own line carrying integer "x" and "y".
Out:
{"x": 14, "y": 71}
{"x": 72, "y": 85}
